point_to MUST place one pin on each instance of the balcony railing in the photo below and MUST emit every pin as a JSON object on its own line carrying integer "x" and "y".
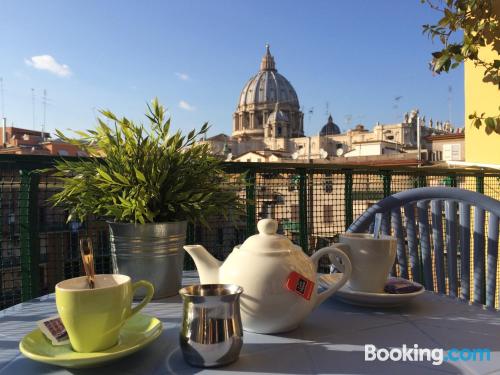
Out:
{"x": 313, "y": 203}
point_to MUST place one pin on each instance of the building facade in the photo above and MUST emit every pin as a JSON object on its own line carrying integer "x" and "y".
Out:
{"x": 21, "y": 141}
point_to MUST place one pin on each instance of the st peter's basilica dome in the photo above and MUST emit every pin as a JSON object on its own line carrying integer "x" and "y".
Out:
{"x": 259, "y": 97}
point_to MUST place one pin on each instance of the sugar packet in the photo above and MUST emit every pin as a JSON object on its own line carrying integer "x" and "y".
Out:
{"x": 54, "y": 330}
{"x": 397, "y": 285}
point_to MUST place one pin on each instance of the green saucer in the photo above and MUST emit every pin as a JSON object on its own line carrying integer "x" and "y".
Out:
{"x": 136, "y": 333}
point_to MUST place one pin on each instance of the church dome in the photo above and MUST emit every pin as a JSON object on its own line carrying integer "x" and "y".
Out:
{"x": 330, "y": 128}
{"x": 268, "y": 99}
{"x": 268, "y": 86}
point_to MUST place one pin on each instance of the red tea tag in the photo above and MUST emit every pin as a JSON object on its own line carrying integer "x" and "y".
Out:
{"x": 300, "y": 285}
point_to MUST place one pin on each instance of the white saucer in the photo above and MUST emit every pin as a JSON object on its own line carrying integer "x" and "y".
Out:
{"x": 353, "y": 297}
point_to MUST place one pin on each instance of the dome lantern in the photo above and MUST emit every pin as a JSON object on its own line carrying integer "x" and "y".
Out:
{"x": 268, "y": 61}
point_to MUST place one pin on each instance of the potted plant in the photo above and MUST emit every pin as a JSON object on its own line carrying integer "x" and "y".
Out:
{"x": 148, "y": 183}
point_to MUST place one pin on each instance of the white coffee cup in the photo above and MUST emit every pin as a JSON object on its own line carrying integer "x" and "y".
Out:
{"x": 371, "y": 258}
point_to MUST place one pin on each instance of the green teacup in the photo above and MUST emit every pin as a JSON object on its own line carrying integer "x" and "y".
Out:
{"x": 93, "y": 317}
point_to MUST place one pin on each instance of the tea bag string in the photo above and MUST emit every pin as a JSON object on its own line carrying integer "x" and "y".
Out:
{"x": 87, "y": 253}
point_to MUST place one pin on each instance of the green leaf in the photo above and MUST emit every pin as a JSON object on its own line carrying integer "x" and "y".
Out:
{"x": 122, "y": 178}
{"x": 105, "y": 175}
{"x": 490, "y": 123}
{"x": 441, "y": 62}
{"x": 140, "y": 176}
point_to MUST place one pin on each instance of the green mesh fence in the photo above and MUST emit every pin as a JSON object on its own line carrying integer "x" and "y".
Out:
{"x": 312, "y": 204}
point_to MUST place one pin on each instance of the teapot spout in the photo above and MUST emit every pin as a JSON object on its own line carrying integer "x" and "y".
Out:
{"x": 206, "y": 264}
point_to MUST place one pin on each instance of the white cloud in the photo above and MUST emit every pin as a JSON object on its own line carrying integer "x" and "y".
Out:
{"x": 48, "y": 63}
{"x": 186, "y": 106}
{"x": 182, "y": 76}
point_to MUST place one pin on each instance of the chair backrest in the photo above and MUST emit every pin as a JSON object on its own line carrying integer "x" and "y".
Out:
{"x": 442, "y": 257}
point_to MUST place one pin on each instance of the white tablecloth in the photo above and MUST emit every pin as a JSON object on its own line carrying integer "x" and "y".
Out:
{"x": 330, "y": 341}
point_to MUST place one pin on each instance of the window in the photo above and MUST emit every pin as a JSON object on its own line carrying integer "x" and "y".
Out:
{"x": 279, "y": 130}
{"x": 260, "y": 120}
{"x": 267, "y": 210}
{"x": 328, "y": 213}
{"x": 451, "y": 151}
{"x": 328, "y": 185}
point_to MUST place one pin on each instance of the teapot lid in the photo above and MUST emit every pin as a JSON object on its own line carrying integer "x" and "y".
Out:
{"x": 267, "y": 240}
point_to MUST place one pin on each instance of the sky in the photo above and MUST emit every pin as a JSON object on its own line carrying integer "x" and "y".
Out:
{"x": 352, "y": 59}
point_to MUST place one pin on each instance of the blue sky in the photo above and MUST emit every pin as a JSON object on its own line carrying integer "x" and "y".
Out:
{"x": 356, "y": 55}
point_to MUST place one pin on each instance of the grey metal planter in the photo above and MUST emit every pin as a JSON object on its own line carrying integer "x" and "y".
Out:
{"x": 151, "y": 252}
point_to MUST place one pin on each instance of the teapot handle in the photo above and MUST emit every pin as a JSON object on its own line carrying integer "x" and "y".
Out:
{"x": 334, "y": 251}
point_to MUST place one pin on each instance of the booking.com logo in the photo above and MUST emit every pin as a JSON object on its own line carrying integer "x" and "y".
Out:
{"x": 416, "y": 354}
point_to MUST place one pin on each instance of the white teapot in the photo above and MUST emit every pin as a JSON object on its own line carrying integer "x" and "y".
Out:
{"x": 278, "y": 279}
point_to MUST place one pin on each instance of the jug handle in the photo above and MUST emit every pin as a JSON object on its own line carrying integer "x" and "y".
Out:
{"x": 335, "y": 252}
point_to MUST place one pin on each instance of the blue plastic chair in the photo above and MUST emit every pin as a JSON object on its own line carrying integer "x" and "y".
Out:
{"x": 439, "y": 256}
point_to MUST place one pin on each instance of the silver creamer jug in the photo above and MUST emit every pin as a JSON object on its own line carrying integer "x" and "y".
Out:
{"x": 211, "y": 330}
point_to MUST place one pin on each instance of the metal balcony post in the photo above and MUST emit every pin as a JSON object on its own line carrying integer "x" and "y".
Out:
{"x": 453, "y": 180}
{"x": 480, "y": 184}
{"x": 29, "y": 234}
{"x": 250, "y": 201}
{"x": 190, "y": 234}
{"x": 386, "y": 181}
{"x": 421, "y": 181}
{"x": 1, "y": 241}
{"x": 303, "y": 235}
{"x": 349, "y": 214}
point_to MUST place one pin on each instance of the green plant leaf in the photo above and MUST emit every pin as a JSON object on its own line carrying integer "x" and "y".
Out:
{"x": 140, "y": 176}
{"x": 490, "y": 122}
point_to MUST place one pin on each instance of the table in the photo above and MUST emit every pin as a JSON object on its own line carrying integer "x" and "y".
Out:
{"x": 330, "y": 341}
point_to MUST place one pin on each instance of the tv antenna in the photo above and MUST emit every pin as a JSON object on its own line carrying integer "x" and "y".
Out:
{"x": 395, "y": 106}
{"x": 450, "y": 90}
{"x": 2, "y": 98}
{"x": 44, "y": 103}
{"x": 33, "y": 107}
{"x": 310, "y": 113}
{"x": 348, "y": 120}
